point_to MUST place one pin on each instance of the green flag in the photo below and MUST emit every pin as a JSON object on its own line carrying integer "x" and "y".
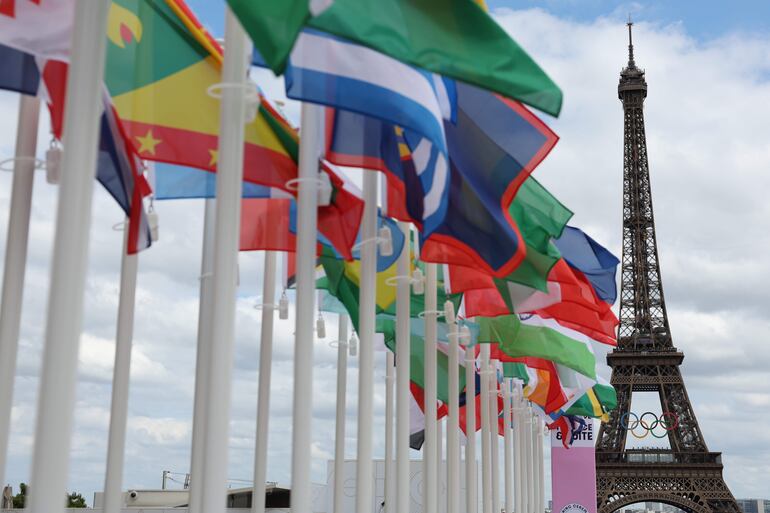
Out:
{"x": 547, "y": 340}
{"x": 455, "y": 38}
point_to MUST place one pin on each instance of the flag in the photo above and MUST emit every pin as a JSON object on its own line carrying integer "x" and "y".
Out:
{"x": 335, "y": 72}
{"x": 530, "y": 335}
{"x": 417, "y": 364}
{"x": 493, "y": 147}
{"x": 539, "y": 216}
{"x": 178, "y": 182}
{"x": 42, "y": 28}
{"x": 596, "y": 402}
{"x": 580, "y": 308}
{"x": 413, "y": 194}
{"x": 160, "y": 64}
{"x": 338, "y": 222}
{"x": 454, "y": 38}
{"x": 417, "y": 415}
{"x": 270, "y": 223}
{"x": 342, "y": 281}
{"x": 118, "y": 168}
{"x": 18, "y": 71}
{"x": 596, "y": 263}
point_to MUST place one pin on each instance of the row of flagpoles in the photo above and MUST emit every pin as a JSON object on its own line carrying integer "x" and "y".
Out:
{"x": 522, "y": 465}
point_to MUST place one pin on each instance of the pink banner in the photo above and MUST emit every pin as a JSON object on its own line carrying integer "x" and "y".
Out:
{"x": 573, "y": 472}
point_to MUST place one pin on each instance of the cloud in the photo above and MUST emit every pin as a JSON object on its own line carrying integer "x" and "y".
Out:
{"x": 706, "y": 128}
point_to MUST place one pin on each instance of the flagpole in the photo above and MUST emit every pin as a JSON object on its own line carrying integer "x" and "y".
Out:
{"x": 494, "y": 436}
{"x": 507, "y": 441}
{"x": 390, "y": 481}
{"x": 307, "y": 205}
{"x": 116, "y": 441}
{"x": 56, "y": 400}
{"x": 16, "y": 261}
{"x": 367, "y": 293}
{"x": 541, "y": 467}
{"x": 430, "y": 452}
{"x": 453, "y": 421}
{"x": 403, "y": 358}
{"x": 202, "y": 357}
{"x": 339, "y": 426}
{"x": 226, "y": 236}
{"x": 518, "y": 489}
{"x": 486, "y": 446}
{"x": 471, "y": 497}
{"x": 440, "y": 466}
{"x": 263, "y": 393}
{"x": 537, "y": 465}
{"x": 526, "y": 459}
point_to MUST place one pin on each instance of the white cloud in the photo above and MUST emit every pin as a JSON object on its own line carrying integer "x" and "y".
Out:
{"x": 706, "y": 125}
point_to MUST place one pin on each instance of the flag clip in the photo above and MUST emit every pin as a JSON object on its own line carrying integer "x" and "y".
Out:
{"x": 283, "y": 307}
{"x": 353, "y": 345}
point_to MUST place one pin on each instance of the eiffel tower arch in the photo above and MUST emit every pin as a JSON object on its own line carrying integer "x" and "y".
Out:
{"x": 686, "y": 475}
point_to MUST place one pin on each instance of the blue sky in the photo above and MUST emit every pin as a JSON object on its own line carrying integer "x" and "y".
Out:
{"x": 702, "y": 19}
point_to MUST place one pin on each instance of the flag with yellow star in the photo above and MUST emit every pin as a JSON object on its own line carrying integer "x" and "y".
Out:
{"x": 160, "y": 65}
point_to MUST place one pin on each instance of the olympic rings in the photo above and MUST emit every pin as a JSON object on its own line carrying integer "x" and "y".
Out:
{"x": 649, "y": 421}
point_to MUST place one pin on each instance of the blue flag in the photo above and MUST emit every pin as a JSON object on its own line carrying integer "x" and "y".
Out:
{"x": 592, "y": 259}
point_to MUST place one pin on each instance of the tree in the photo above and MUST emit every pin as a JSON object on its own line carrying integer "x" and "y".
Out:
{"x": 75, "y": 500}
{"x": 20, "y": 499}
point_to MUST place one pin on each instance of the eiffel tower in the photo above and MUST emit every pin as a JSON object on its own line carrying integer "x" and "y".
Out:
{"x": 686, "y": 475}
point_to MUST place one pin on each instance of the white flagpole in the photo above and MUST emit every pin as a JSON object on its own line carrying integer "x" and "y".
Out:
{"x": 56, "y": 403}
{"x": 494, "y": 436}
{"x": 228, "y": 209}
{"x": 541, "y": 467}
{"x": 307, "y": 215}
{"x": 403, "y": 357}
{"x": 471, "y": 497}
{"x": 441, "y": 499}
{"x": 526, "y": 455}
{"x": 16, "y": 261}
{"x": 518, "y": 419}
{"x": 507, "y": 442}
{"x": 390, "y": 478}
{"x": 263, "y": 393}
{"x": 431, "y": 447}
{"x": 486, "y": 446}
{"x": 116, "y": 441}
{"x": 453, "y": 421}
{"x": 367, "y": 294}
{"x": 535, "y": 468}
{"x": 339, "y": 435}
{"x": 202, "y": 357}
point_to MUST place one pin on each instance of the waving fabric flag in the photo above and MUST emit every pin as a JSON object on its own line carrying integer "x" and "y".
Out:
{"x": 356, "y": 140}
{"x": 178, "y": 182}
{"x": 118, "y": 166}
{"x": 160, "y": 64}
{"x": 531, "y": 336}
{"x": 539, "y": 217}
{"x": 18, "y": 71}
{"x": 42, "y": 28}
{"x": 332, "y": 71}
{"x": 589, "y": 257}
{"x": 493, "y": 147}
{"x": 440, "y": 36}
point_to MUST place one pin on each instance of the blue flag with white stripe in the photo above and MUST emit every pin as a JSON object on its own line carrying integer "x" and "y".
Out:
{"x": 332, "y": 71}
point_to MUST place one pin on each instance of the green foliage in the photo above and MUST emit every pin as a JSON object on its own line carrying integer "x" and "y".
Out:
{"x": 20, "y": 499}
{"x": 74, "y": 499}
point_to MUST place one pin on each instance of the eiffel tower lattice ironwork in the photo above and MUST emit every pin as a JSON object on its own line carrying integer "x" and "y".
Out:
{"x": 686, "y": 475}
